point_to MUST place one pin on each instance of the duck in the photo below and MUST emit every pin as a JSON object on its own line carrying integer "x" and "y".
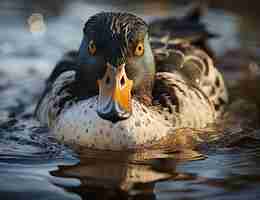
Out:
{"x": 125, "y": 90}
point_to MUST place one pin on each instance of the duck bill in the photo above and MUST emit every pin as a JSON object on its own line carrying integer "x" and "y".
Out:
{"x": 114, "y": 100}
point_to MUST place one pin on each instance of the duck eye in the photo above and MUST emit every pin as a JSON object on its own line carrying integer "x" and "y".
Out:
{"x": 92, "y": 48}
{"x": 139, "y": 50}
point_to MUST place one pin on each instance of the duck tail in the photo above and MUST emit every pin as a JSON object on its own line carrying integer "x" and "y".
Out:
{"x": 196, "y": 11}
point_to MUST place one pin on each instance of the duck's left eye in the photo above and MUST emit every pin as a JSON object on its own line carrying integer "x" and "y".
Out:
{"x": 92, "y": 48}
{"x": 139, "y": 50}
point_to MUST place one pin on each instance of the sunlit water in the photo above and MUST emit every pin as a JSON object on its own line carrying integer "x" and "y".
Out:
{"x": 34, "y": 166}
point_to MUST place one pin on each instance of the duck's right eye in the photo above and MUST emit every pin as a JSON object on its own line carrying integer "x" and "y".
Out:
{"x": 92, "y": 48}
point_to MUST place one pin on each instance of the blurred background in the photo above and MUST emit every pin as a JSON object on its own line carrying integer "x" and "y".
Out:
{"x": 61, "y": 23}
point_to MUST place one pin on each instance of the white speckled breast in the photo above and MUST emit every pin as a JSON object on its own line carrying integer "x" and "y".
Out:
{"x": 81, "y": 126}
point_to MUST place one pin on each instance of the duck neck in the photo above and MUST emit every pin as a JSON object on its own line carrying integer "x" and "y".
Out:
{"x": 84, "y": 87}
{"x": 144, "y": 92}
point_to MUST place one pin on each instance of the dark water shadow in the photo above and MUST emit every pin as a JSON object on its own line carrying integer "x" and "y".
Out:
{"x": 121, "y": 175}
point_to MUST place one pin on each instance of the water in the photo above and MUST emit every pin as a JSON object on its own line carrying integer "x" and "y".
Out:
{"x": 34, "y": 166}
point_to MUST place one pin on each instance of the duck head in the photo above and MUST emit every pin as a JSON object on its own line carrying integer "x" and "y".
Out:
{"x": 116, "y": 63}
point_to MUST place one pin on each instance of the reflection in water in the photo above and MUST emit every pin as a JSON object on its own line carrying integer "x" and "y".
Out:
{"x": 163, "y": 178}
{"x": 110, "y": 175}
{"x": 108, "y": 178}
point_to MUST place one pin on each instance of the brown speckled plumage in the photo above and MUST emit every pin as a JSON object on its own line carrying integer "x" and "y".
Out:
{"x": 185, "y": 89}
{"x": 195, "y": 68}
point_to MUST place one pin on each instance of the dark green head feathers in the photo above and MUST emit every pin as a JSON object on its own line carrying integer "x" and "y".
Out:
{"x": 116, "y": 34}
{"x": 116, "y": 39}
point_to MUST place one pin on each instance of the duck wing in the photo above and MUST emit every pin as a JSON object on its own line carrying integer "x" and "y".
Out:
{"x": 66, "y": 64}
{"x": 188, "y": 78}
